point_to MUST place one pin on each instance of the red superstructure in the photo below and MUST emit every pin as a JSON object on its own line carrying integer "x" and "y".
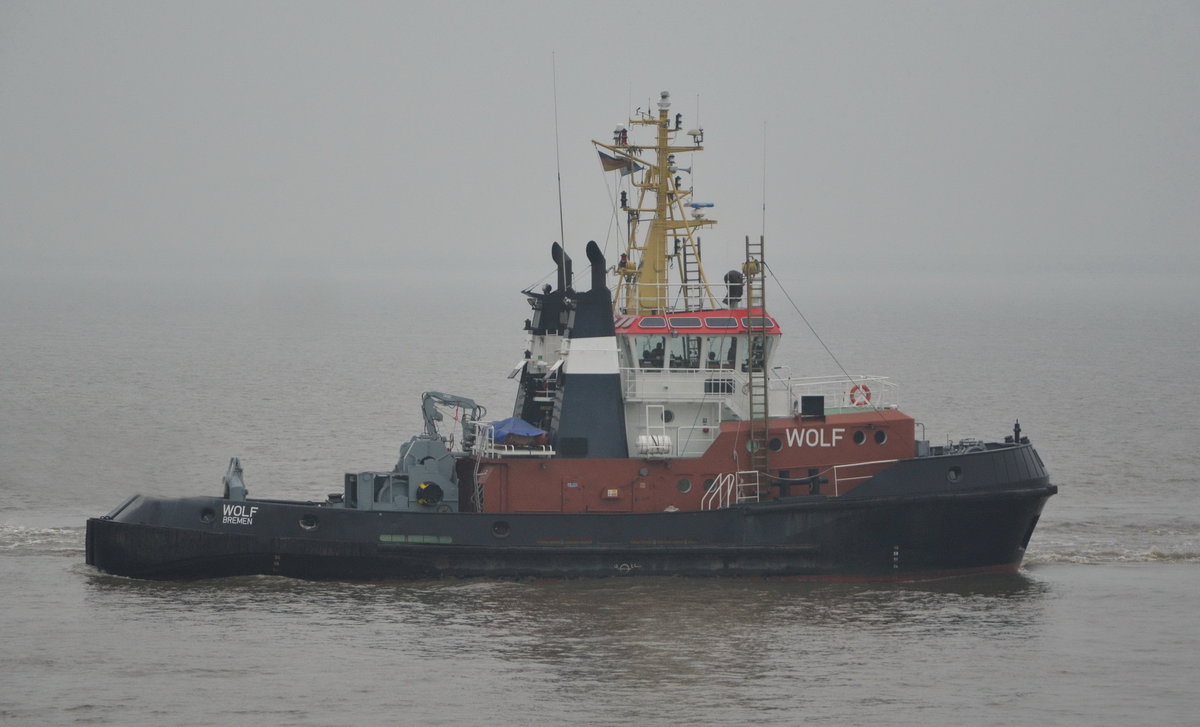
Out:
{"x": 821, "y": 453}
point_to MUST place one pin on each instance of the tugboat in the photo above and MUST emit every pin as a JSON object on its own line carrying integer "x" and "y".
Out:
{"x": 651, "y": 434}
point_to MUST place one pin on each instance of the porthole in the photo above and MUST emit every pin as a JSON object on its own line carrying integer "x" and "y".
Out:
{"x": 710, "y": 484}
{"x": 684, "y": 485}
{"x": 954, "y": 475}
{"x": 500, "y": 529}
{"x": 860, "y": 437}
{"x": 668, "y": 416}
{"x": 309, "y": 522}
{"x": 880, "y": 436}
{"x": 775, "y": 444}
{"x": 207, "y": 515}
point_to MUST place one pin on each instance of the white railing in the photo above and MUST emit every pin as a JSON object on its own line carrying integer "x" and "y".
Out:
{"x": 670, "y": 296}
{"x": 840, "y": 392}
{"x": 719, "y": 494}
{"x": 730, "y": 488}
{"x": 839, "y": 477}
{"x": 486, "y": 446}
{"x": 746, "y": 486}
{"x": 680, "y": 384}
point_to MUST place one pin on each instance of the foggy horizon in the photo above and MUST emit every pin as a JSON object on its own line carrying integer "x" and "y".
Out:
{"x": 284, "y": 142}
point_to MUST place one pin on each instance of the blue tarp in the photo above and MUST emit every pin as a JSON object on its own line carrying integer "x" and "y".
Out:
{"x": 506, "y": 428}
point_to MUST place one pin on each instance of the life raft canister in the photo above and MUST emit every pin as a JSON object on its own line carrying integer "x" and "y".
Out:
{"x": 860, "y": 395}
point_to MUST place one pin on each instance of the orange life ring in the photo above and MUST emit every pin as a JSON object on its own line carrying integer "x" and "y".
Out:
{"x": 860, "y": 395}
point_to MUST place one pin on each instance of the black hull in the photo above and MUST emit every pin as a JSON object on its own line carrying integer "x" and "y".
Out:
{"x": 896, "y": 538}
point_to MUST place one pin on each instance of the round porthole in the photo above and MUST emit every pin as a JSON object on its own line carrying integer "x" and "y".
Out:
{"x": 309, "y": 522}
{"x": 880, "y": 436}
{"x": 668, "y": 416}
{"x": 860, "y": 437}
{"x": 684, "y": 485}
{"x": 500, "y": 529}
{"x": 775, "y": 444}
{"x": 954, "y": 475}
{"x": 207, "y": 515}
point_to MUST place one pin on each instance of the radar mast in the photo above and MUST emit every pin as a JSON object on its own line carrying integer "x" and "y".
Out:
{"x": 662, "y": 223}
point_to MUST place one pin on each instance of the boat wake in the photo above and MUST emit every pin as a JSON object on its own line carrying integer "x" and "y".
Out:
{"x": 21, "y": 540}
{"x": 1090, "y": 542}
{"x": 1102, "y": 557}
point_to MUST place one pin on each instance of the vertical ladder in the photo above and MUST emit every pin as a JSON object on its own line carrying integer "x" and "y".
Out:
{"x": 689, "y": 274}
{"x": 756, "y": 346}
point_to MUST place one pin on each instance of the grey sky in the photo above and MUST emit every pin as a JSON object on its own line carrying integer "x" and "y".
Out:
{"x": 183, "y": 139}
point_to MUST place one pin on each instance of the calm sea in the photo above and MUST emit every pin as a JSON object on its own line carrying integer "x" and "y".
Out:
{"x": 116, "y": 385}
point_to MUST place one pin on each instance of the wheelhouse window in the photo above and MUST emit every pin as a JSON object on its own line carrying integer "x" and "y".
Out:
{"x": 688, "y": 322}
{"x": 650, "y": 351}
{"x": 760, "y": 353}
{"x": 721, "y": 352}
{"x": 684, "y": 352}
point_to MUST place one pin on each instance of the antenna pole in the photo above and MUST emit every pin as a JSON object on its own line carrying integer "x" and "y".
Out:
{"x": 557, "y": 160}
{"x": 764, "y": 181}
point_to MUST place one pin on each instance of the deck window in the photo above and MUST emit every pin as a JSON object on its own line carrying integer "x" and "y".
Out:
{"x": 761, "y": 354}
{"x": 684, "y": 352}
{"x": 721, "y": 352}
{"x": 721, "y": 322}
{"x": 758, "y": 322}
{"x": 650, "y": 351}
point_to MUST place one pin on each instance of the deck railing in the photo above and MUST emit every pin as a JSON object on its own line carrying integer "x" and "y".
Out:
{"x": 732, "y": 488}
{"x": 845, "y": 393}
{"x": 486, "y": 445}
{"x": 840, "y": 392}
{"x": 746, "y": 485}
{"x": 846, "y": 473}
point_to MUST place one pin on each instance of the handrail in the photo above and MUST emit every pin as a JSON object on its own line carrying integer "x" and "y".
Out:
{"x": 627, "y": 290}
{"x": 837, "y": 478}
{"x": 859, "y": 391}
{"x": 688, "y": 384}
{"x": 733, "y": 487}
{"x": 719, "y": 494}
{"x": 485, "y": 445}
{"x": 730, "y": 488}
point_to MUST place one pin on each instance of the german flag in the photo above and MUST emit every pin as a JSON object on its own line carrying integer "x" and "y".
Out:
{"x": 612, "y": 164}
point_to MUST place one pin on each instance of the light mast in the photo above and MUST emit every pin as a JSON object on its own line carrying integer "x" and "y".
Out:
{"x": 645, "y": 287}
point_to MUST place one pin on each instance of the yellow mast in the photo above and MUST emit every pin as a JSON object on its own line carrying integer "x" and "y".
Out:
{"x": 645, "y": 287}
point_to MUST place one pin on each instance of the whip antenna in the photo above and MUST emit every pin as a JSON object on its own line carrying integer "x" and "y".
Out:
{"x": 764, "y": 182}
{"x": 557, "y": 161}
